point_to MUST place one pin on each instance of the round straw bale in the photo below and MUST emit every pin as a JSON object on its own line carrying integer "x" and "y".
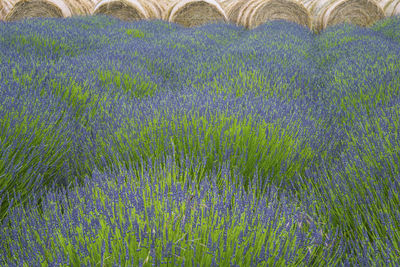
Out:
{"x": 359, "y": 12}
{"x": 192, "y": 13}
{"x": 390, "y": 7}
{"x": 127, "y": 10}
{"x": 38, "y": 8}
{"x": 261, "y": 11}
{"x": 153, "y": 8}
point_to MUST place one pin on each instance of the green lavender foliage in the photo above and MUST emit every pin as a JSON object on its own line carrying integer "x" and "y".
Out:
{"x": 145, "y": 143}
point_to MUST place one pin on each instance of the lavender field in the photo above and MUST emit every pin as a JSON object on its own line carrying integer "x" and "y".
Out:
{"x": 151, "y": 144}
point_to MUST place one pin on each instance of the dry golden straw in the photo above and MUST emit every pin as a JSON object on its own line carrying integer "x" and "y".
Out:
{"x": 154, "y": 8}
{"x": 244, "y": 10}
{"x": 81, "y": 7}
{"x": 328, "y": 13}
{"x": 257, "y": 12}
{"x": 233, "y": 8}
{"x": 165, "y": 5}
{"x": 127, "y": 10}
{"x": 1, "y": 10}
{"x": 37, "y": 8}
{"x": 390, "y": 7}
{"x": 192, "y": 13}
{"x": 225, "y": 3}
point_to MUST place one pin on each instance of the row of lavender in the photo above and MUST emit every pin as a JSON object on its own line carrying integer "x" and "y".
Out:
{"x": 207, "y": 146}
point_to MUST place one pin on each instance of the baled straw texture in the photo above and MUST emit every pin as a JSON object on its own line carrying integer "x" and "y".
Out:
{"x": 192, "y": 13}
{"x": 225, "y": 3}
{"x": 166, "y": 6}
{"x": 37, "y": 8}
{"x": 1, "y": 10}
{"x": 81, "y": 7}
{"x": 126, "y": 10}
{"x": 308, "y": 4}
{"x": 154, "y": 9}
{"x": 359, "y": 12}
{"x": 233, "y": 8}
{"x": 257, "y": 12}
{"x": 328, "y": 13}
{"x": 390, "y": 7}
{"x": 245, "y": 10}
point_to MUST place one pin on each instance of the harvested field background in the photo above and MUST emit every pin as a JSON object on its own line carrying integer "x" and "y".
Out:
{"x": 315, "y": 14}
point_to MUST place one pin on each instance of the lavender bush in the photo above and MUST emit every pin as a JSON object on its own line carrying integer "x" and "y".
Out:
{"x": 130, "y": 144}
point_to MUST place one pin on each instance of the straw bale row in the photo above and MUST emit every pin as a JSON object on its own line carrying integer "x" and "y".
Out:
{"x": 188, "y": 13}
{"x": 315, "y": 14}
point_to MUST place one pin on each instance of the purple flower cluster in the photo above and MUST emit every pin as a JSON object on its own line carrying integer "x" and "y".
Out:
{"x": 149, "y": 143}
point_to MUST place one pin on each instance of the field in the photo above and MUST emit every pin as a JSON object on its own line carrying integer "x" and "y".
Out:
{"x": 140, "y": 143}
